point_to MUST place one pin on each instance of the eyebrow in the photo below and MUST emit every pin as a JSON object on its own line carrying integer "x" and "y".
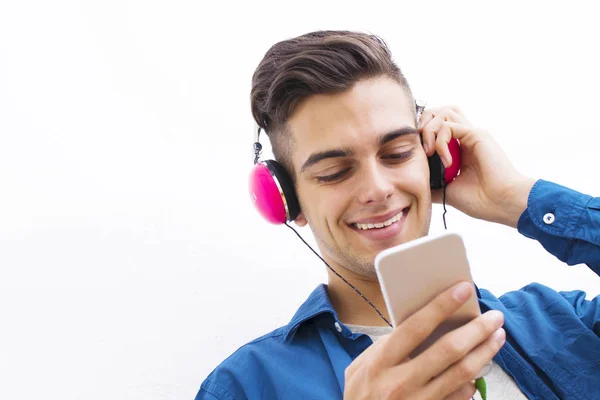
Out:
{"x": 322, "y": 155}
{"x": 388, "y": 137}
{"x": 338, "y": 153}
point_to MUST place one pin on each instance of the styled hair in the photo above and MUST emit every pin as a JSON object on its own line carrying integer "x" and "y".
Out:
{"x": 321, "y": 62}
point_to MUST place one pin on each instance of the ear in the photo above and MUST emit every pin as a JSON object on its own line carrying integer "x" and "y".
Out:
{"x": 300, "y": 220}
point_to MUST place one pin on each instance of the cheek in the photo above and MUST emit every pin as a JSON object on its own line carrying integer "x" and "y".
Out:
{"x": 330, "y": 203}
{"x": 313, "y": 201}
{"x": 322, "y": 205}
{"x": 416, "y": 179}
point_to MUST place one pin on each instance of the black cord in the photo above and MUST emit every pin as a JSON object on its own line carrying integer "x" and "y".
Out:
{"x": 348, "y": 283}
{"x": 341, "y": 277}
{"x": 445, "y": 211}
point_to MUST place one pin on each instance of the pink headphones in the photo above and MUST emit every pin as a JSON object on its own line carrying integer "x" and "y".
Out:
{"x": 272, "y": 189}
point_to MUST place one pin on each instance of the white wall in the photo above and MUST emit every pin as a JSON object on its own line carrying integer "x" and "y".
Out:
{"x": 131, "y": 261}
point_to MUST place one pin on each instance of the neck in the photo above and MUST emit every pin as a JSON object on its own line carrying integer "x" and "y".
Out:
{"x": 351, "y": 308}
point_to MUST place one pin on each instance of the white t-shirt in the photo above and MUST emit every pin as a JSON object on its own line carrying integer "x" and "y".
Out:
{"x": 500, "y": 385}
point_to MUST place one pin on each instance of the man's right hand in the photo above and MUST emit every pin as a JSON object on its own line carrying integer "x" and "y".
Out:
{"x": 445, "y": 370}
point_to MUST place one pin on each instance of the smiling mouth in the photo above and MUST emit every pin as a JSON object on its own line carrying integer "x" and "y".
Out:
{"x": 383, "y": 224}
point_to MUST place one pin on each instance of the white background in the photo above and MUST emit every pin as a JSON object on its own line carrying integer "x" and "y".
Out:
{"x": 131, "y": 261}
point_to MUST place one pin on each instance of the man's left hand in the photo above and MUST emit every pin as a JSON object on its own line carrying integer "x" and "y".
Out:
{"x": 488, "y": 186}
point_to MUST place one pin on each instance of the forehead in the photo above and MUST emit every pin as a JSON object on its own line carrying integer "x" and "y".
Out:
{"x": 352, "y": 118}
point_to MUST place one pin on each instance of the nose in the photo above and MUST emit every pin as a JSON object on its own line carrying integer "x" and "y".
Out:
{"x": 376, "y": 185}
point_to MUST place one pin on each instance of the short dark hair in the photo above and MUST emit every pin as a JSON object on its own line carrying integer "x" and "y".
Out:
{"x": 321, "y": 62}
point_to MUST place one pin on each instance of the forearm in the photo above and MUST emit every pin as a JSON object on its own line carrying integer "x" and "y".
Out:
{"x": 515, "y": 201}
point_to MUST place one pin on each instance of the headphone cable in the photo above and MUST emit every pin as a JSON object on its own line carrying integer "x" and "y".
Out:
{"x": 341, "y": 277}
{"x": 445, "y": 211}
{"x": 480, "y": 383}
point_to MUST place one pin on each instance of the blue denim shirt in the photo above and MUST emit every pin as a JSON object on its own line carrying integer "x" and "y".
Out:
{"x": 552, "y": 349}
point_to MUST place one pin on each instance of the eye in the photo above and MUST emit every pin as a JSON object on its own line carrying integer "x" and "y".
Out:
{"x": 333, "y": 177}
{"x": 398, "y": 156}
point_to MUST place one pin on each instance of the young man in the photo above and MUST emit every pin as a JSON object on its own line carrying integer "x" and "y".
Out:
{"x": 341, "y": 119}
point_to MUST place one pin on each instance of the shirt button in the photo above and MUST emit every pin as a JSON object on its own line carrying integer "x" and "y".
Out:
{"x": 549, "y": 218}
{"x": 338, "y": 327}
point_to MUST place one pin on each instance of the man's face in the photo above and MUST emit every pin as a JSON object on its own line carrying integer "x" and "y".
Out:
{"x": 359, "y": 166}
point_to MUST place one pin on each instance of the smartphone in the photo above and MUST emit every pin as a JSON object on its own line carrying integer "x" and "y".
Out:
{"x": 414, "y": 273}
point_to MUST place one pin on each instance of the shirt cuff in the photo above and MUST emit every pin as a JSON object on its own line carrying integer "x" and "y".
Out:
{"x": 552, "y": 216}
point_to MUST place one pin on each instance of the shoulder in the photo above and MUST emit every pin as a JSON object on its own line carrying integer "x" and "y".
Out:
{"x": 534, "y": 299}
{"x": 266, "y": 366}
{"x": 233, "y": 377}
{"x": 532, "y": 294}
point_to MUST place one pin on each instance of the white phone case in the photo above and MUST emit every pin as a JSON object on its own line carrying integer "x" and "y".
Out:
{"x": 414, "y": 273}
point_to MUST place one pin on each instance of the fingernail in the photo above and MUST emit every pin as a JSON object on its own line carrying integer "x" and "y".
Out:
{"x": 499, "y": 336}
{"x": 485, "y": 370}
{"x": 462, "y": 291}
{"x": 447, "y": 162}
{"x": 494, "y": 316}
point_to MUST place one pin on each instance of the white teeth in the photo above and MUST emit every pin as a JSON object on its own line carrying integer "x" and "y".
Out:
{"x": 390, "y": 221}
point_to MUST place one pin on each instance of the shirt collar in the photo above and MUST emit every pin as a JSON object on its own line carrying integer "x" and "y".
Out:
{"x": 316, "y": 304}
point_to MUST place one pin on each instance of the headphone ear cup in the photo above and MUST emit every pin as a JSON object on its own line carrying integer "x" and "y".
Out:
{"x": 272, "y": 192}
{"x": 287, "y": 188}
{"x": 439, "y": 175}
{"x": 452, "y": 171}
{"x": 436, "y": 171}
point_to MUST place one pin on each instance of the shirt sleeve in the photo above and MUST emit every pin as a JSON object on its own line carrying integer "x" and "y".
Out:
{"x": 205, "y": 395}
{"x": 565, "y": 222}
{"x": 588, "y": 311}
{"x": 210, "y": 390}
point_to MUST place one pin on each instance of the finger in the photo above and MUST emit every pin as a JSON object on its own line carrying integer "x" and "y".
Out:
{"x": 368, "y": 356}
{"x": 416, "y": 328}
{"x": 466, "y": 134}
{"x": 427, "y": 136}
{"x": 458, "y": 115}
{"x": 429, "y": 133}
{"x": 426, "y": 116}
{"x": 450, "y": 113}
{"x": 465, "y": 392}
{"x": 467, "y": 369}
{"x": 441, "y": 144}
{"x": 456, "y": 344}
{"x": 431, "y": 123}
